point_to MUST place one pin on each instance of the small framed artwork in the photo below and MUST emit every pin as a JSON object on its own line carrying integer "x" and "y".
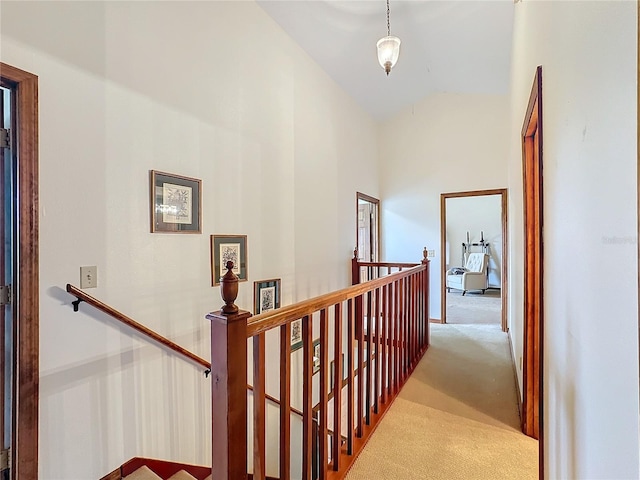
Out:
{"x": 225, "y": 248}
{"x": 296, "y": 334}
{"x": 176, "y": 203}
{"x": 316, "y": 356}
{"x": 266, "y": 295}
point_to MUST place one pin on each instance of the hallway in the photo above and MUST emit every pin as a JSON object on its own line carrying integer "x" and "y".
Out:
{"x": 457, "y": 416}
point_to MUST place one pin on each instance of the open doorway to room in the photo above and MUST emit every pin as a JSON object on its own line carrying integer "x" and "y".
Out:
{"x": 474, "y": 257}
{"x": 367, "y": 227}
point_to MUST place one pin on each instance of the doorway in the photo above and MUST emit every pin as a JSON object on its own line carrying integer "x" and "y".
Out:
{"x": 461, "y": 241}
{"x": 20, "y": 284}
{"x": 367, "y": 228}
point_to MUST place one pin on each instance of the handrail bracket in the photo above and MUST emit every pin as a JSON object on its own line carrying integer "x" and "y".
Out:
{"x": 76, "y": 304}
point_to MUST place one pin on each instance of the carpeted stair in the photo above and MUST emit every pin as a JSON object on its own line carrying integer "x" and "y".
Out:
{"x": 145, "y": 473}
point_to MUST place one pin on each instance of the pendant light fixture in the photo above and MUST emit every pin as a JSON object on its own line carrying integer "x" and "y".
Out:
{"x": 388, "y": 48}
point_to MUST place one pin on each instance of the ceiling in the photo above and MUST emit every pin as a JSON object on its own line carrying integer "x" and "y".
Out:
{"x": 447, "y": 46}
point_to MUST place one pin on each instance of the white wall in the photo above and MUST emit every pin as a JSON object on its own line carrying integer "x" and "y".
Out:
{"x": 588, "y": 54}
{"x": 213, "y": 90}
{"x": 480, "y": 217}
{"x": 446, "y": 143}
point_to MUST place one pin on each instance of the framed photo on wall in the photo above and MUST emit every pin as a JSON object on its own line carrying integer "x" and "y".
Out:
{"x": 316, "y": 356}
{"x": 226, "y": 248}
{"x": 296, "y": 335}
{"x": 176, "y": 203}
{"x": 266, "y": 295}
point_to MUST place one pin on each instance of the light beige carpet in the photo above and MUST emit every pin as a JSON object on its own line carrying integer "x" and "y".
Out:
{"x": 457, "y": 416}
{"x": 474, "y": 307}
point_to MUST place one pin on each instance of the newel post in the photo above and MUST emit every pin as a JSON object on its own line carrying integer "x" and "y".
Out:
{"x": 426, "y": 262}
{"x": 355, "y": 268}
{"x": 229, "y": 384}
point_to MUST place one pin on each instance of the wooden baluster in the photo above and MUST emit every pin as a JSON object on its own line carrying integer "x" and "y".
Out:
{"x": 259, "y": 408}
{"x": 384, "y": 340}
{"x": 368, "y": 363}
{"x": 425, "y": 290}
{"x": 285, "y": 402}
{"x": 307, "y": 399}
{"x": 337, "y": 387}
{"x": 417, "y": 315}
{"x": 412, "y": 320}
{"x": 324, "y": 398}
{"x": 359, "y": 320}
{"x": 350, "y": 376}
{"x": 229, "y": 384}
{"x": 376, "y": 383}
{"x": 403, "y": 332}
{"x": 396, "y": 336}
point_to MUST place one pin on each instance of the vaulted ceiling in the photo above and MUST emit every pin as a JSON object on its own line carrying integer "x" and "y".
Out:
{"x": 447, "y": 46}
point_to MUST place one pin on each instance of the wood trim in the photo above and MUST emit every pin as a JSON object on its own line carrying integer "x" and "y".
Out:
{"x": 370, "y": 199}
{"x": 515, "y": 375}
{"x": 121, "y": 317}
{"x": 25, "y": 442}
{"x": 533, "y": 325}
{"x": 504, "y": 270}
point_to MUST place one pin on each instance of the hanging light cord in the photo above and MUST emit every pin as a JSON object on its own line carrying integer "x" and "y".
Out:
{"x": 388, "y": 24}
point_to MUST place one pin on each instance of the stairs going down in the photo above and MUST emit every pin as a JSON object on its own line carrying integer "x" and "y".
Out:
{"x": 145, "y": 473}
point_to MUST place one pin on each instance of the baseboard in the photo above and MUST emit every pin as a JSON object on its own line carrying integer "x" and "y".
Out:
{"x": 435, "y": 320}
{"x": 515, "y": 375}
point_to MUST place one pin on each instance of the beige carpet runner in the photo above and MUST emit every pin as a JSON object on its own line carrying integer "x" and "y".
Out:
{"x": 456, "y": 418}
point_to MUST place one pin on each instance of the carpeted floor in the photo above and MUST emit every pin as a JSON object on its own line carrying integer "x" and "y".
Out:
{"x": 474, "y": 307}
{"x": 456, "y": 418}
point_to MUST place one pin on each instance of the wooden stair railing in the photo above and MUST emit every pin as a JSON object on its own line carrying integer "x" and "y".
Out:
{"x": 386, "y": 317}
{"x": 81, "y": 296}
{"x": 121, "y": 317}
{"x": 365, "y": 271}
{"x": 84, "y": 297}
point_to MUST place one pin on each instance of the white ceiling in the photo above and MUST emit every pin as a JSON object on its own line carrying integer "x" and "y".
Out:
{"x": 447, "y": 46}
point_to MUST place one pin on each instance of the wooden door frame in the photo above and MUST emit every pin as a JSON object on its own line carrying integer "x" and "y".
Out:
{"x": 25, "y": 417}
{"x": 370, "y": 199}
{"x": 533, "y": 311}
{"x": 504, "y": 287}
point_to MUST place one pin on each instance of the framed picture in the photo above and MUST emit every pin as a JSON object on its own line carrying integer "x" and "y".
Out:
{"x": 226, "y": 248}
{"x": 296, "y": 335}
{"x": 316, "y": 356}
{"x": 266, "y": 295}
{"x": 176, "y": 203}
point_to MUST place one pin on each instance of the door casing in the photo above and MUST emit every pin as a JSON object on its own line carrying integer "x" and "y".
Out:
{"x": 504, "y": 272}
{"x": 26, "y": 289}
{"x": 533, "y": 325}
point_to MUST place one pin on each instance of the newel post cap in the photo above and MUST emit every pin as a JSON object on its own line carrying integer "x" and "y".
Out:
{"x": 229, "y": 290}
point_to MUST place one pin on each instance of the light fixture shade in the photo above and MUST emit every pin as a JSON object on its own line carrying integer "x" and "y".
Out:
{"x": 388, "y": 52}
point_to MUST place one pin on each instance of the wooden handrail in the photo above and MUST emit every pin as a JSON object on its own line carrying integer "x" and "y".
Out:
{"x": 387, "y": 264}
{"x": 275, "y": 318}
{"x": 84, "y": 297}
{"x": 121, "y": 317}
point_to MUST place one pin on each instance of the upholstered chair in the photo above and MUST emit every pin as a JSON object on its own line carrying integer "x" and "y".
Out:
{"x": 474, "y": 277}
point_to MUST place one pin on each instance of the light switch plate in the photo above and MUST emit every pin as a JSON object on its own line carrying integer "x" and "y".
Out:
{"x": 88, "y": 277}
{"x": 431, "y": 253}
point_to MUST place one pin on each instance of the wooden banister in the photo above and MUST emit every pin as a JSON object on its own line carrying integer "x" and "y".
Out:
{"x": 94, "y": 302}
{"x": 275, "y": 318}
{"x": 121, "y": 317}
{"x": 378, "y": 330}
